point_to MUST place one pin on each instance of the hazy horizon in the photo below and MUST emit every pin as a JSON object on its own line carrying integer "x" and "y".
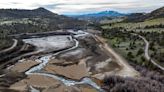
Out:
{"x": 73, "y": 7}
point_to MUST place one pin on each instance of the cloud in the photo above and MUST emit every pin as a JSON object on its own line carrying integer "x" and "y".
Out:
{"x": 85, "y": 6}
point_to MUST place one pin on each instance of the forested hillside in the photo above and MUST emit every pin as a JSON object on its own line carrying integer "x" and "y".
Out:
{"x": 15, "y": 21}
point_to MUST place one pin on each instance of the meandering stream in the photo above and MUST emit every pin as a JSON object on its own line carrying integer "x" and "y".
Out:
{"x": 36, "y": 70}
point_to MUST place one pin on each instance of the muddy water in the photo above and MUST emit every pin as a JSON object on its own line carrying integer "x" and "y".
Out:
{"x": 44, "y": 61}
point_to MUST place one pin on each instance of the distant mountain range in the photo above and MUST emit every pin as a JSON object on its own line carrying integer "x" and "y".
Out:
{"x": 102, "y": 14}
{"x": 129, "y": 17}
{"x": 96, "y": 17}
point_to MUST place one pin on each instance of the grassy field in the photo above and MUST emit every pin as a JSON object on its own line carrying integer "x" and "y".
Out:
{"x": 129, "y": 48}
{"x": 135, "y": 26}
{"x": 107, "y": 21}
{"x": 132, "y": 48}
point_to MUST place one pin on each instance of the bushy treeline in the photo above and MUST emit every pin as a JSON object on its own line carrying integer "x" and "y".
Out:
{"x": 120, "y": 84}
{"x": 38, "y": 26}
{"x": 149, "y": 81}
{"x": 156, "y": 37}
{"x": 154, "y": 26}
{"x": 17, "y": 28}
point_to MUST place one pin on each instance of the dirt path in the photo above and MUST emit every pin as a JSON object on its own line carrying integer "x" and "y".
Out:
{"x": 127, "y": 70}
{"x": 10, "y": 48}
{"x": 147, "y": 51}
{"x": 18, "y": 58}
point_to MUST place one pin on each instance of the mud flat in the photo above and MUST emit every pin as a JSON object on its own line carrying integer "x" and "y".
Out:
{"x": 51, "y": 43}
{"x": 44, "y": 62}
{"x": 46, "y": 84}
{"x": 79, "y": 67}
{"x": 23, "y": 66}
{"x": 77, "y": 54}
{"x": 73, "y": 71}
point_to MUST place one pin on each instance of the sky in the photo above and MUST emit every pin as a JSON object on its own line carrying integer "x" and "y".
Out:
{"x": 71, "y": 7}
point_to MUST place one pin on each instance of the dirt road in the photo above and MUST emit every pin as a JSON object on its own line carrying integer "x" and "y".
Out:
{"x": 147, "y": 51}
{"x": 18, "y": 58}
{"x": 10, "y": 48}
{"x": 127, "y": 70}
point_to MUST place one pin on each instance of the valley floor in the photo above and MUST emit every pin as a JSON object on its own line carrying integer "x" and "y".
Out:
{"x": 72, "y": 60}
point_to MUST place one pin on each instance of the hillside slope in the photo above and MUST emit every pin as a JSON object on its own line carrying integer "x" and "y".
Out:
{"x": 139, "y": 17}
{"x": 20, "y": 21}
{"x": 158, "y": 13}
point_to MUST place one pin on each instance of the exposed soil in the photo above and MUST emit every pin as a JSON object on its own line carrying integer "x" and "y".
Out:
{"x": 46, "y": 84}
{"x": 23, "y": 66}
{"x": 92, "y": 58}
{"x": 73, "y": 71}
